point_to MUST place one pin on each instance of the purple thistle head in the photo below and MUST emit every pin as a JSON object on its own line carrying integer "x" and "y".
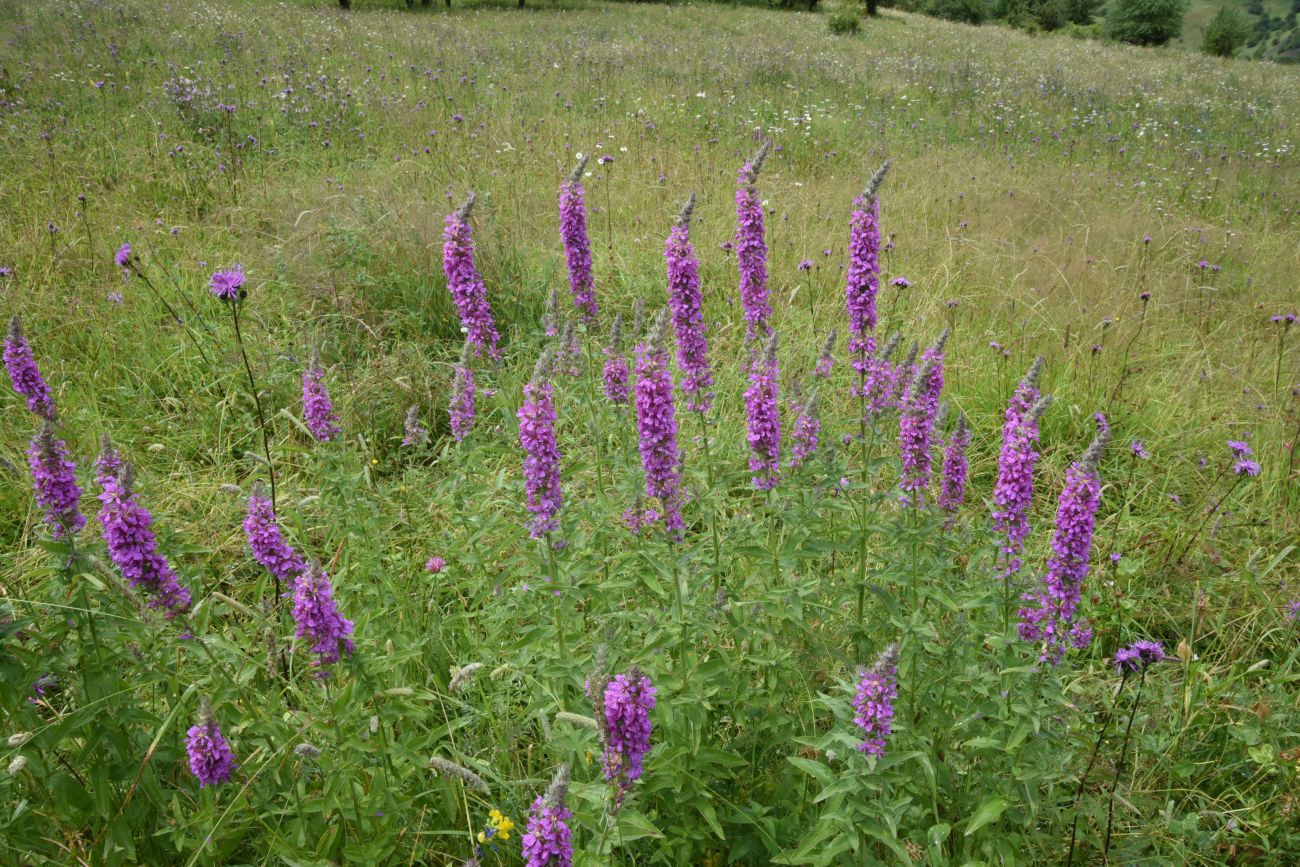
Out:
{"x": 751, "y": 248}
{"x": 1138, "y": 656}
{"x": 468, "y": 291}
{"x": 133, "y": 547}
{"x": 763, "y": 417}
{"x": 541, "y": 455}
{"x": 317, "y": 409}
{"x": 873, "y": 701}
{"x": 267, "y": 542}
{"x": 123, "y": 256}
{"x": 628, "y": 700}
{"x": 952, "y": 492}
{"x": 228, "y": 285}
{"x": 461, "y": 409}
{"x": 24, "y": 374}
{"x": 548, "y": 842}
{"x": 577, "y": 246}
{"x": 211, "y": 759}
{"x": 414, "y": 433}
{"x": 317, "y": 617}
{"x": 687, "y": 305}
{"x": 826, "y": 360}
{"x": 616, "y": 373}
{"x": 656, "y": 423}
{"x": 54, "y": 480}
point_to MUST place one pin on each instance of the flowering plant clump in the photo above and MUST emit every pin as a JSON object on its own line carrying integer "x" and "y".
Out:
{"x": 211, "y": 759}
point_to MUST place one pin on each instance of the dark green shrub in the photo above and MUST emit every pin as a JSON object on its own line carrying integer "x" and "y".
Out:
{"x": 845, "y": 20}
{"x": 1145, "y": 22}
{"x": 965, "y": 11}
{"x": 1225, "y": 33}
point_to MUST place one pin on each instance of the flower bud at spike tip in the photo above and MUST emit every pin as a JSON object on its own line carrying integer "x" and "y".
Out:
{"x": 873, "y": 185}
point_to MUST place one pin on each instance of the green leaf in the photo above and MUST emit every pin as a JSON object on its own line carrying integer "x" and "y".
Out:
{"x": 989, "y": 811}
{"x": 817, "y": 770}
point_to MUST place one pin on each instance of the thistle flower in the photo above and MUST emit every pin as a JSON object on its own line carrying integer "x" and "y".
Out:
{"x": 873, "y": 701}
{"x": 133, "y": 547}
{"x": 317, "y": 409}
{"x": 952, "y": 492}
{"x": 656, "y": 423}
{"x": 415, "y": 433}
{"x": 807, "y": 432}
{"x": 1139, "y": 655}
{"x": 54, "y": 480}
{"x": 547, "y": 842}
{"x": 1050, "y": 616}
{"x": 1013, "y": 494}
{"x": 468, "y": 292}
{"x": 763, "y": 417}
{"x": 616, "y": 374}
{"x": 211, "y": 759}
{"x": 227, "y": 285}
{"x": 862, "y": 280}
{"x": 267, "y": 542}
{"x": 826, "y": 361}
{"x": 541, "y": 456}
{"x": 24, "y": 374}
{"x": 318, "y": 620}
{"x": 751, "y": 248}
{"x": 628, "y": 700}
{"x": 577, "y": 247}
{"x": 461, "y": 409}
{"x": 686, "y": 303}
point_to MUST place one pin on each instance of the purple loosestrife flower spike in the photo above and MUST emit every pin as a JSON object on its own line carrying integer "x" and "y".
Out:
{"x": 541, "y": 456}
{"x": 826, "y": 361}
{"x": 551, "y": 314}
{"x": 317, "y": 409}
{"x": 807, "y": 432}
{"x": 916, "y": 425}
{"x": 414, "y": 433}
{"x": 211, "y": 759}
{"x": 468, "y": 292}
{"x": 228, "y": 285}
{"x": 763, "y": 417}
{"x": 577, "y": 246}
{"x": 751, "y": 248}
{"x": 318, "y": 619}
{"x": 133, "y": 547}
{"x": 687, "y": 305}
{"x": 1013, "y": 493}
{"x": 616, "y": 373}
{"x": 54, "y": 479}
{"x": 952, "y": 492}
{"x": 1051, "y": 612}
{"x": 656, "y": 423}
{"x": 1139, "y": 655}
{"x": 267, "y": 542}
{"x": 862, "y": 281}
{"x": 548, "y": 842}
{"x": 461, "y": 409}
{"x": 873, "y": 701}
{"x": 878, "y": 384}
{"x": 24, "y": 374}
{"x": 629, "y": 698}
{"x": 109, "y": 462}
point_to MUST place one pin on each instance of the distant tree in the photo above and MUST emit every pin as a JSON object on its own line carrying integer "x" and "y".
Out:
{"x": 1082, "y": 11}
{"x": 965, "y": 11}
{"x": 345, "y": 4}
{"x": 1145, "y": 22}
{"x": 873, "y": 8}
{"x": 1225, "y": 33}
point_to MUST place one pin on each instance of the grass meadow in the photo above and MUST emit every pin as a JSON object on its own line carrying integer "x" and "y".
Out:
{"x": 1128, "y": 215}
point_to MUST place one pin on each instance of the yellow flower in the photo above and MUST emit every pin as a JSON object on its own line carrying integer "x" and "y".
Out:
{"x": 482, "y": 838}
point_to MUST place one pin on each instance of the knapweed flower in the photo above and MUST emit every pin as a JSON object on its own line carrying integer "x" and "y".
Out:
{"x": 826, "y": 360}
{"x": 1050, "y": 616}
{"x": 133, "y": 547}
{"x": 267, "y": 542}
{"x": 916, "y": 425}
{"x": 616, "y": 374}
{"x": 628, "y": 700}
{"x": 1138, "y": 656}
{"x": 317, "y": 409}
{"x": 686, "y": 303}
{"x": 1246, "y": 467}
{"x": 211, "y": 759}
{"x": 461, "y": 409}
{"x": 317, "y": 617}
{"x": 806, "y": 435}
{"x": 548, "y": 842}
{"x": 751, "y": 248}
{"x": 1138, "y": 450}
{"x": 123, "y": 256}
{"x": 1240, "y": 449}
{"x": 763, "y": 418}
{"x": 862, "y": 281}
{"x": 24, "y": 374}
{"x": 541, "y": 456}
{"x": 226, "y": 285}
{"x": 952, "y": 491}
{"x": 1013, "y": 493}
{"x": 577, "y": 246}
{"x": 873, "y": 701}
{"x": 414, "y": 433}
{"x": 435, "y": 565}
{"x": 468, "y": 292}
{"x": 656, "y": 424}
{"x": 54, "y": 480}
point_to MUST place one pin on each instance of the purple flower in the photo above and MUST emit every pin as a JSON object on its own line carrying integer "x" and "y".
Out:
{"x": 435, "y": 565}
{"x": 615, "y": 374}
{"x": 547, "y": 842}
{"x": 468, "y": 292}
{"x": 751, "y": 248}
{"x": 24, "y": 374}
{"x": 414, "y": 433}
{"x": 461, "y": 409}
{"x": 318, "y": 619}
{"x": 541, "y": 456}
{"x": 226, "y": 284}
{"x": 879, "y": 380}
{"x": 805, "y": 265}
{"x": 807, "y": 433}
{"x": 656, "y": 423}
{"x": 1050, "y": 616}
{"x": 317, "y": 410}
{"x": 1239, "y": 449}
{"x": 900, "y": 282}
{"x": 686, "y": 303}
{"x": 626, "y": 727}
{"x": 873, "y": 701}
{"x": 1247, "y": 467}
{"x": 211, "y": 759}
{"x": 952, "y": 491}
{"x": 123, "y": 256}
{"x": 826, "y": 361}
{"x": 763, "y": 418}
{"x": 109, "y": 462}
{"x": 55, "y": 482}
{"x": 577, "y": 246}
{"x": 1139, "y": 451}
{"x": 916, "y": 425}
{"x": 1138, "y": 656}
{"x": 133, "y": 547}
{"x": 267, "y": 542}
{"x": 1013, "y": 493}
{"x": 863, "y": 278}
